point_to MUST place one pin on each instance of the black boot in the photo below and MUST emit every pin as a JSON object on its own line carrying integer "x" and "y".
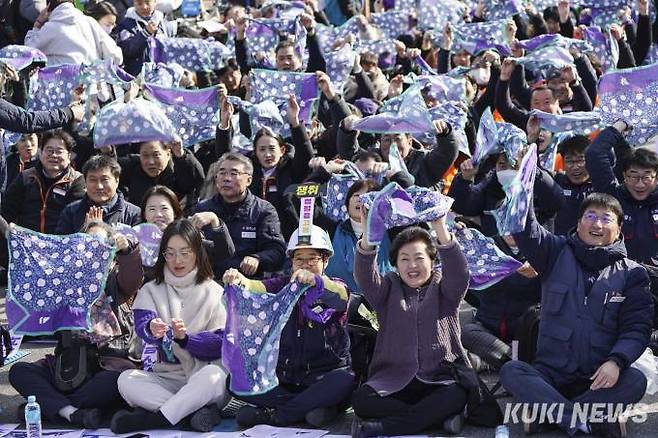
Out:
{"x": 139, "y": 419}
{"x": 206, "y": 418}
{"x": 87, "y": 418}
{"x": 249, "y": 416}
{"x": 366, "y": 429}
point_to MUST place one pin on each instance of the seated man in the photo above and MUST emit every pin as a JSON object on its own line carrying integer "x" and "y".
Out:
{"x": 286, "y": 57}
{"x": 252, "y": 222}
{"x": 37, "y": 197}
{"x": 595, "y": 320}
{"x": 102, "y": 202}
{"x": 637, "y": 194}
{"x": 575, "y": 182}
{"x": 161, "y": 164}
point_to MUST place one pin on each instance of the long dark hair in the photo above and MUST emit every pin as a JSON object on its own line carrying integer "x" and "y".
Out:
{"x": 167, "y": 193}
{"x": 184, "y": 229}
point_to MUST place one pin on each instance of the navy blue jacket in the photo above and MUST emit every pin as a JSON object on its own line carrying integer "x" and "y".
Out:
{"x": 574, "y": 195}
{"x": 132, "y": 40}
{"x": 255, "y": 231}
{"x": 292, "y": 169}
{"x": 640, "y": 217}
{"x": 16, "y": 119}
{"x": 73, "y": 217}
{"x": 596, "y": 303}
{"x": 474, "y": 199}
{"x": 309, "y": 349}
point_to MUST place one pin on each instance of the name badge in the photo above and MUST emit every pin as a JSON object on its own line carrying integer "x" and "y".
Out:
{"x": 58, "y": 191}
{"x": 617, "y": 299}
{"x": 248, "y": 234}
{"x": 566, "y": 192}
{"x": 272, "y": 188}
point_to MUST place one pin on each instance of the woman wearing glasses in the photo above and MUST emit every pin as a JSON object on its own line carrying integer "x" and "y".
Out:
{"x": 277, "y": 164}
{"x": 181, "y": 312}
{"x": 315, "y": 380}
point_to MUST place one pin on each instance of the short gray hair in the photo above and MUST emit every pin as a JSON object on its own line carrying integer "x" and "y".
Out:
{"x": 234, "y": 156}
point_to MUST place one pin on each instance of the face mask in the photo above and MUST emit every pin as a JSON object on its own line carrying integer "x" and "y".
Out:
{"x": 505, "y": 177}
{"x": 481, "y": 76}
{"x": 107, "y": 29}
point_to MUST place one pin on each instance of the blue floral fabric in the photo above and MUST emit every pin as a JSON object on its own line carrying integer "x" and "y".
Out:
{"x": 54, "y": 280}
{"x": 20, "y": 57}
{"x": 631, "y": 94}
{"x": 193, "y": 113}
{"x": 394, "y": 206}
{"x": 137, "y": 121}
{"x": 250, "y": 348}
{"x": 512, "y": 214}
{"x": 191, "y": 53}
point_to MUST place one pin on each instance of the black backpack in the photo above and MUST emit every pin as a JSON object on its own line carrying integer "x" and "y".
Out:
{"x": 362, "y": 339}
{"x": 528, "y": 332}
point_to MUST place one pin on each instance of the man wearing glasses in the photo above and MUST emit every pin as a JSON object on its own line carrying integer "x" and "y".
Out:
{"x": 252, "y": 222}
{"x": 575, "y": 182}
{"x": 636, "y": 193}
{"x": 596, "y": 317}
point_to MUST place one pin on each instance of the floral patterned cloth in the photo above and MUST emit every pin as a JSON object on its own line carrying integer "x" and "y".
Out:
{"x": 250, "y": 349}
{"x": 54, "y": 280}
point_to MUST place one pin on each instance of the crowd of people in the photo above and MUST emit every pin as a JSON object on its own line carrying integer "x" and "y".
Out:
{"x": 230, "y": 217}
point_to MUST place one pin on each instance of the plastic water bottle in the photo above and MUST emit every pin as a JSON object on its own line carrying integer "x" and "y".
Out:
{"x": 502, "y": 431}
{"x": 33, "y": 418}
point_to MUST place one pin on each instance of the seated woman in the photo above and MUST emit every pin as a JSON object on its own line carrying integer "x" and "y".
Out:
{"x": 315, "y": 380}
{"x": 83, "y": 405}
{"x": 348, "y": 233}
{"x": 161, "y": 207}
{"x": 496, "y": 322}
{"x": 412, "y": 384}
{"x": 182, "y": 313}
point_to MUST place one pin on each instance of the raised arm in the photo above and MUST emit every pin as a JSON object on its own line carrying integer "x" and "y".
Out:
{"x": 599, "y": 158}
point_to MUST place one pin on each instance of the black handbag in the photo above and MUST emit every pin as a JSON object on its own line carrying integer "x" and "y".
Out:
{"x": 76, "y": 361}
{"x": 482, "y": 409}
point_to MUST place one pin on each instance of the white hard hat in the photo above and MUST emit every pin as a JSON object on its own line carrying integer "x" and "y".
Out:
{"x": 319, "y": 240}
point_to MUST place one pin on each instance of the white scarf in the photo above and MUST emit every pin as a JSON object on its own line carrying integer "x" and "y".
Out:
{"x": 357, "y": 227}
{"x": 200, "y": 307}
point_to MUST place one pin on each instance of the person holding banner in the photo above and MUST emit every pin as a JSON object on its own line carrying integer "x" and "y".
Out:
{"x": 475, "y": 198}
{"x": 315, "y": 379}
{"x": 596, "y": 318}
{"x": 411, "y": 384}
{"x": 82, "y": 395}
{"x": 181, "y": 312}
{"x": 132, "y": 34}
{"x": 347, "y": 235}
